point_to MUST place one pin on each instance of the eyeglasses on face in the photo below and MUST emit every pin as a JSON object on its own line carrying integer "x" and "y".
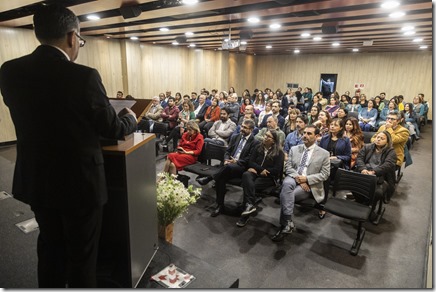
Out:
{"x": 391, "y": 119}
{"x": 82, "y": 41}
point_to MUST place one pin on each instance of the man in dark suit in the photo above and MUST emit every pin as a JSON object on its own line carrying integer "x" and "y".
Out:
{"x": 235, "y": 163}
{"x": 60, "y": 110}
{"x": 307, "y": 168}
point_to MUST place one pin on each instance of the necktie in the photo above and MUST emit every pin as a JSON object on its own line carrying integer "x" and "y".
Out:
{"x": 303, "y": 162}
{"x": 239, "y": 148}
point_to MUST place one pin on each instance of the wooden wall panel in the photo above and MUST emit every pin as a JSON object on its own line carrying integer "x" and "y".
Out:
{"x": 242, "y": 72}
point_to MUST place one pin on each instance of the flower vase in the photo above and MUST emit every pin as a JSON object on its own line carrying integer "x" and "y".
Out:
{"x": 166, "y": 232}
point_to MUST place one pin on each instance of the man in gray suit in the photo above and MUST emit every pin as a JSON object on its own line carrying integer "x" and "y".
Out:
{"x": 308, "y": 166}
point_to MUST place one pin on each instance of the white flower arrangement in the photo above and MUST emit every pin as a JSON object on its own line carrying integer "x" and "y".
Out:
{"x": 173, "y": 198}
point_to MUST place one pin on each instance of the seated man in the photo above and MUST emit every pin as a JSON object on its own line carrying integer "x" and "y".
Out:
{"x": 170, "y": 114}
{"x": 295, "y": 137}
{"x": 221, "y": 130}
{"x": 399, "y": 135}
{"x": 233, "y": 107}
{"x": 153, "y": 115}
{"x": 271, "y": 124}
{"x": 307, "y": 168}
{"x": 200, "y": 108}
{"x": 275, "y": 111}
{"x": 235, "y": 163}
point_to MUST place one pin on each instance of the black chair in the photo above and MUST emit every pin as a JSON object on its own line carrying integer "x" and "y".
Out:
{"x": 204, "y": 166}
{"x": 362, "y": 187}
{"x": 162, "y": 131}
{"x": 353, "y": 114}
{"x": 367, "y": 136}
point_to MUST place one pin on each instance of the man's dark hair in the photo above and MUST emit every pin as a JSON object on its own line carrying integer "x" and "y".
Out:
{"x": 303, "y": 118}
{"x": 249, "y": 123}
{"x": 53, "y": 22}
{"x": 313, "y": 127}
{"x": 226, "y": 110}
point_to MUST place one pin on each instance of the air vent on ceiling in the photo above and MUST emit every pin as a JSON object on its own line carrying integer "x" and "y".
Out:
{"x": 368, "y": 43}
{"x": 305, "y": 13}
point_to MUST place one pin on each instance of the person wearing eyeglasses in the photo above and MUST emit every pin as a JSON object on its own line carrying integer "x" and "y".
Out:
{"x": 59, "y": 170}
{"x": 399, "y": 134}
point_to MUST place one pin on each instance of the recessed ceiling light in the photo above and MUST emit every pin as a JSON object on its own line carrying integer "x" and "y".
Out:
{"x": 189, "y": 33}
{"x": 269, "y": 47}
{"x": 253, "y": 20}
{"x": 355, "y": 50}
{"x": 192, "y": 45}
{"x": 175, "y": 43}
{"x": 190, "y": 2}
{"x": 164, "y": 29}
{"x": 93, "y": 17}
{"x": 296, "y": 51}
{"x": 335, "y": 44}
{"x": 154, "y": 43}
{"x": 243, "y": 43}
{"x": 317, "y": 38}
{"x": 226, "y": 40}
{"x": 134, "y": 38}
{"x": 305, "y": 34}
{"x": 397, "y": 14}
{"x": 423, "y": 47}
{"x": 390, "y": 4}
{"x": 410, "y": 32}
{"x": 275, "y": 26}
{"x": 418, "y": 40}
{"x": 407, "y": 28}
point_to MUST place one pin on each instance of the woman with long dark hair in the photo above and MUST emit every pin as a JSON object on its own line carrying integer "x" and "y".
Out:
{"x": 354, "y": 133}
{"x": 264, "y": 168}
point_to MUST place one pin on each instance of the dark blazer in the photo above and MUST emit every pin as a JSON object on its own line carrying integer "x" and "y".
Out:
{"x": 59, "y": 109}
{"x": 202, "y": 111}
{"x": 280, "y": 121}
{"x": 246, "y": 151}
{"x": 342, "y": 149}
{"x": 274, "y": 164}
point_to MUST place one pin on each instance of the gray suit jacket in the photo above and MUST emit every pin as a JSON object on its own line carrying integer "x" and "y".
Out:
{"x": 318, "y": 169}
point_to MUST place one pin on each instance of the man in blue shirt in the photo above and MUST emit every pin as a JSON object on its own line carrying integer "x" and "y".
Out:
{"x": 295, "y": 137}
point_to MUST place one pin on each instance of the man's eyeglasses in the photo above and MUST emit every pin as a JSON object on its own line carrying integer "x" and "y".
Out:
{"x": 391, "y": 119}
{"x": 82, "y": 41}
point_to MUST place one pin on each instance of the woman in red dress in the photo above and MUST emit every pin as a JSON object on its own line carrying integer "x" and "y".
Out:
{"x": 188, "y": 150}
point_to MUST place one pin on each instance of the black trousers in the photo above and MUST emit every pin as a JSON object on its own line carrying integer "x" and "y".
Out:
{"x": 68, "y": 247}
{"x": 226, "y": 172}
{"x": 252, "y": 182}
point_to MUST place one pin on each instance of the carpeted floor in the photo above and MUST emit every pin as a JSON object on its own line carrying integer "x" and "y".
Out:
{"x": 393, "y": 254}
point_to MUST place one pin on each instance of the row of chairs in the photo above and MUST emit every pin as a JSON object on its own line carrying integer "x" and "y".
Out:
{"x": 361, "y": 186}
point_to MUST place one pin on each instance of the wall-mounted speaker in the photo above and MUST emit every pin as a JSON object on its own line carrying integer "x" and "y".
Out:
{"x": 130, "y": 11}
{"x": 329, "y": 28}
{"x": 181, "y": 39}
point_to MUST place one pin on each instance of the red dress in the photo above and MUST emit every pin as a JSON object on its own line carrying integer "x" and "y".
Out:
{"x": 189, "y": 143}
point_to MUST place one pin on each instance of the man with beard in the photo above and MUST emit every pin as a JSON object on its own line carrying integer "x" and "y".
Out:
{"x": 307, "y": 168}
{"x": 295, "y": 137}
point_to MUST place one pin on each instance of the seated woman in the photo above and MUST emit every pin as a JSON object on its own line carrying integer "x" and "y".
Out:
{"x": 342, "y": 113}
{"x": 339, "y": 147}
{"x": 411, "y": 120}
{"x": 259, "y": 103}
{"x": 354, "y": 133}
{"x": 184, "y": 116}
{"x": 317, "y": 100}
{"x": 290, "y": 121}
{"x": 264, "y": 168}
{"x": 368, "y": 117}
{"x": 323, "y": 123}
{"x": 211, "y": 115}
{"x": 267, "y": 111}
{"x": 354, "y": 105}
{"x": 333, "y": 107}
{"x": 188, "y": 150}
{"x": 379, "y": 158}
{"x": 312, "y": 117}
{"x": 385, "y": 111}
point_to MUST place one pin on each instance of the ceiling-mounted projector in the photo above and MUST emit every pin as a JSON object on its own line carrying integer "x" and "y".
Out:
{"x": 229, "y": 45}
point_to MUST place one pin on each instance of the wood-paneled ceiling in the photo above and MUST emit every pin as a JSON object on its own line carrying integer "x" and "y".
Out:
{"x": 359, "y": 24}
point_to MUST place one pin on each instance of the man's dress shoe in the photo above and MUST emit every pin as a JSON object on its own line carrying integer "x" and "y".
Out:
{"x": 218, "y": 210}
{"x": 204, "y": 180}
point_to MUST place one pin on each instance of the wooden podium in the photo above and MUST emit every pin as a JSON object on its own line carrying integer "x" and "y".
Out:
{"x": 129, "y": 233}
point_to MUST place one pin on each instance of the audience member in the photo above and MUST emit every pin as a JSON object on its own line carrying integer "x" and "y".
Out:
{"x": 120, "y": 94}
{"x": 313, "y": 115}
{"x": 296, "y": 137}
{"x": 233, "y": 107}
{"x": 342, "y": 113}
{"x": 211, "y": 116}
{"x": 379, "y": 158}
{"x": 307, "y": 168}
{"x": 333, "y": 107}
{"x": 185, "y": 115}
{"x": 392, "y": 106}
{"x": 170, "y": 114}
{"x": 271, "y": 124}
{"x": 291, "y": 120}
{"x": 363, "y": 101}
{"x": 259, "y": 104}
{"x": 264, "y": 168}
{"x": 163, "y": 102}
{"x": 152, "y": 115}
{"x": 317, "y": 98}
{"x": 399, "y": 135}
{"x": 308, "y": 99}
{"x": 188, "y": 150}
{"x": 354, "y": 133}
{"x": 411, "y": 120}
{"x": 354, "y": 105}
{"x": 265, "y": 113}
{"x": 368, "y": 117}
{"x": 323, "y": 123}
{"x": 222, "y": 129}
{"x": 275, "y": 111}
